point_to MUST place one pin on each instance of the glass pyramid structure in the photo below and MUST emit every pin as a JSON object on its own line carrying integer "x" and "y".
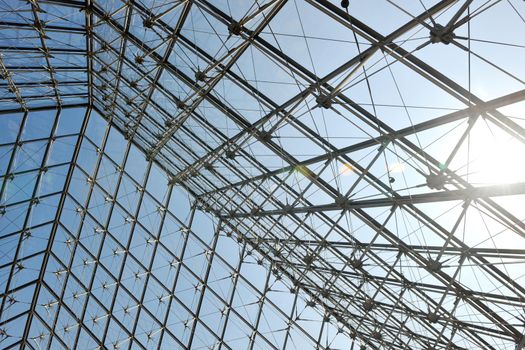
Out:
{"x": 268, "y": 174}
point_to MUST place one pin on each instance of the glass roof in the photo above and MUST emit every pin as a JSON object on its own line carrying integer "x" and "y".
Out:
{"x": 281, "y": 174}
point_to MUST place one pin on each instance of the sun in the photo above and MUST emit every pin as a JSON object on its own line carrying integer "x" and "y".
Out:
{"x": 490, "y": 156}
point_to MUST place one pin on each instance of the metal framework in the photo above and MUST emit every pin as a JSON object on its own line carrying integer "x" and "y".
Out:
{"x": 270, "y": 174}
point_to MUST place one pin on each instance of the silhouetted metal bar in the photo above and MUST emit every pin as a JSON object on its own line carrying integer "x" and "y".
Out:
{"x": 48, "y": 27}
{"x": 346, "y": 204}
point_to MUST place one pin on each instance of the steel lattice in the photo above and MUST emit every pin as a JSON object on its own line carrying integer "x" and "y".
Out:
{"x": 275, "y": 174}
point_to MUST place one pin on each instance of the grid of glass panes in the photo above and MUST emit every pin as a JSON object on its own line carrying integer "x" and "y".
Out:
{"x": 36, "y": 151}
{"x": 263, "y": 145}
{"x": 43, "y": 58}
{"x": 315, "y": 155}
{"x": 132, "y": 265}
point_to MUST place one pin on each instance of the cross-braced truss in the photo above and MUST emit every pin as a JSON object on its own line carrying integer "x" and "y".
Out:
{"x": 355, "y": 174}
